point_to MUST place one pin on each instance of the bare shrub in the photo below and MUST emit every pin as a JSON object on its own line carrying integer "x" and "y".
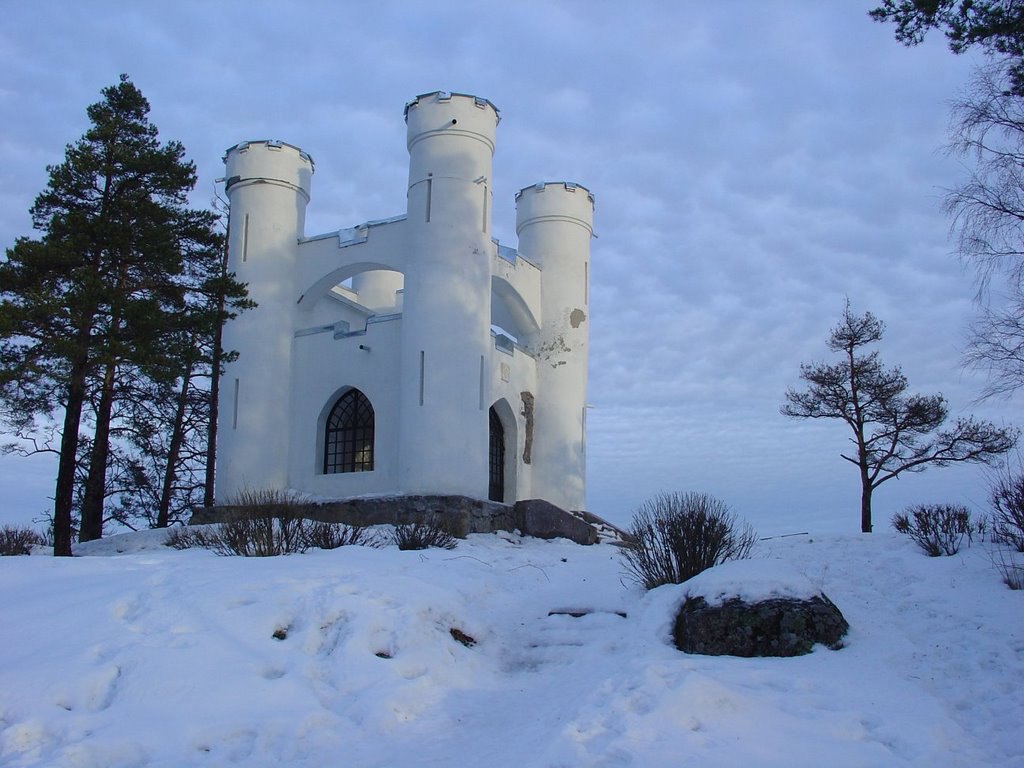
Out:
{"x": 1007, "y": 496}
{"x": 1010, "y": 567}
{"x": 678, "y": 535}
{"x": 181, "y": 537}
{"x": 321, "y": 535}
{"x": 18, "y": 540}
{"x": 269, "y": 523}
{"x": 263, "y": 534}
{"x": 939, "y": 529}
{"x": 433, "y": 532}
{"x": 269, "y": 502}
{"x": 207, "y": 537}
{"x": 981, "y": 528}
{"x": 264, "y": 523}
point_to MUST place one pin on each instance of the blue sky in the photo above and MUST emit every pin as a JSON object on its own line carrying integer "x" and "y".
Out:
{"x": 754, "y": 164}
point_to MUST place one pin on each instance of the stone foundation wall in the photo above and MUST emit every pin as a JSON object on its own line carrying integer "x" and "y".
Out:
{"x": 460, "y": 514}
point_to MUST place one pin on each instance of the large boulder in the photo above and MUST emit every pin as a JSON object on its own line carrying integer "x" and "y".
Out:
{"x": 771, "y": 612}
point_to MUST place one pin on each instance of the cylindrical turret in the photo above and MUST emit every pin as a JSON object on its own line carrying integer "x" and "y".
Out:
{"x": 554, "y": 222}
{"x": 446, "y": 315}
{"x": 378, "y": 289}
{"x": 268, "y": 184}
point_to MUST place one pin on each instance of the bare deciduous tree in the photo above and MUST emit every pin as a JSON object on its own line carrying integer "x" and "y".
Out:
{"x": 988, "y": 218}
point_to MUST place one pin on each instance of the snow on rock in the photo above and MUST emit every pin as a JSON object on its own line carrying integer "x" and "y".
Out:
{"x": 125, "y": 543}
{"x": 752, "y": 581}
{"x": 158, "y": 657}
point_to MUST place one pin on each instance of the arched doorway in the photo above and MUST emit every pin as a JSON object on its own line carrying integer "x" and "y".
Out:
{"x": 496, "y": 459}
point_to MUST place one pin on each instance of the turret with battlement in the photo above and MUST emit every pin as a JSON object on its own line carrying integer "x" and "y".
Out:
{"x": 446, "y": 340}
{"x": 554, "y": 222}
{"x": 268, "y": 186}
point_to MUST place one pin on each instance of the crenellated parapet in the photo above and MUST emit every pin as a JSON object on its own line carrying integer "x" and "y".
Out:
{"x": 268, "y": 162}
{"x": 555, "y": 202}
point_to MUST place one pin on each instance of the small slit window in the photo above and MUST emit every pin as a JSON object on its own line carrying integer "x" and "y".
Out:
{"x": 348, "y": 437}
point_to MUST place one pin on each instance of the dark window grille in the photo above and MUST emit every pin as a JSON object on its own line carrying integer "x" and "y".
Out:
{"x": 496, "y": 463}
{"x": 348, "y": 439}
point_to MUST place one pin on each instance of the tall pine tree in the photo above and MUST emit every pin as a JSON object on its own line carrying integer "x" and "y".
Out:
{"x": 104, "y": 294}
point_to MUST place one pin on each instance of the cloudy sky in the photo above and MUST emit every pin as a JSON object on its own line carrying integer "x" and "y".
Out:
{"x": 754, "y": 164}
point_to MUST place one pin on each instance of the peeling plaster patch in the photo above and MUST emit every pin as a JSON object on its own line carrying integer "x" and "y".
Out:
{"x": 577, "y": 317}
{"x": 552, "y": 348}
{"x": 527, "y": 398}
{"x": 551, "y": 351}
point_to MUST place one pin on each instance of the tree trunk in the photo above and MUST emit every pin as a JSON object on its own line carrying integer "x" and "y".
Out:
{"x": 211, "y": 432}
{"x": 865, "y": 507}
{"x": 174, "y": 449}
{"x": 96, "y": 481}
{"x": 217, "y": 354}
{"x": 64, "y": 494}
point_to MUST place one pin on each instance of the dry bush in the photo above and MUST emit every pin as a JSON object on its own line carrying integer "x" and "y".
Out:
{"x": 1007, "y": 496}
{"x": 266, "y": 524}
{"x": 1010, "y": 566}
{"x": 181, "y": 537}
{"x": 981, "y": 529}
{"x": 19, "y": 540}
{"x": 186, "y": 537}
{"x": 424, "y": 535}
{"x": 261, "y": 534}
{"x": 939, "y": 529}
{"x": 269, "y": 503}
{"x": 678, "y": 535}
{"x": 321, "y": 535}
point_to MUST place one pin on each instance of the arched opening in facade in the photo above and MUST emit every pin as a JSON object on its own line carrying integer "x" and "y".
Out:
{"x": 341, "y": 279}
{"x": 496, "y": 459}
{"x": 510, "y": 314}
{"x": 348, "y": 435}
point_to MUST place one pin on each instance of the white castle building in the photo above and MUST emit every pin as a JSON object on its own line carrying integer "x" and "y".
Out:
{"x": 409, "y": 355}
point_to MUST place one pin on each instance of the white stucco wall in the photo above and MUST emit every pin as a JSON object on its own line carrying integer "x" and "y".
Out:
{"x": 510, "y": 376}
{"x": 325, "y": 368}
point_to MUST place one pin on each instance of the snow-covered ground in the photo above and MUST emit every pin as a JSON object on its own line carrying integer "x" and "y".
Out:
{"x": 138, "y": 655}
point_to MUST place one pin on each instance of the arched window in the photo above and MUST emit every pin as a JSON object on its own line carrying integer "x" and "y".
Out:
{"x": 348, "y": 438}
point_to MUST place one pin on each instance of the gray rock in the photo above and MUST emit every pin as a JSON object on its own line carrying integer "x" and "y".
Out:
{"x": 785, "y": 626}
{"x": 536, "y": 517}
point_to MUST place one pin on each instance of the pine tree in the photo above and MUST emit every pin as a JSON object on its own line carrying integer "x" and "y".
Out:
{"x": 893, "y": 431}
{"x": 103, "y": 295}
{"x": 994, "y": 26}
